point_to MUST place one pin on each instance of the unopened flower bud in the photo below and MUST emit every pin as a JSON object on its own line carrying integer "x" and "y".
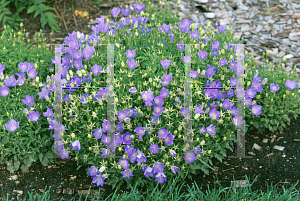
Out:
{"x": 202, "y": 142}
{"x": 284, "y": 59}
{"x": 264, "y": 81}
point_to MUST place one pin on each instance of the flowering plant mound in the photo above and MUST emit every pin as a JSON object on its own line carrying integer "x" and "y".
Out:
{"x": 150, "y": 112}
{"x": 274, "y": 95}
{"x": 24, "y": 134}
{"x": 14, "y": 51}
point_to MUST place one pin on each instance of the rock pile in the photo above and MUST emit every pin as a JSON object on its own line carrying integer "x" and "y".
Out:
{"x": 265, "y": 26}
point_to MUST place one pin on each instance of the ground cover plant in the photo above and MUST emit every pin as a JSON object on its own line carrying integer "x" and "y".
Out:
{"x": 161, "y": 90}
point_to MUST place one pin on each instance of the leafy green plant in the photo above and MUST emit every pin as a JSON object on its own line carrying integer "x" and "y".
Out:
{"x": 215, "y": 135}
{"x": 21, "y": 150}
{"x": 48, "y": 17}
{"x": 31, "y": 5}
{"x": 14, "y": 19}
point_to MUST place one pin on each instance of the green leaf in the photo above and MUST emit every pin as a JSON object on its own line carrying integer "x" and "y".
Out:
{"x": 45, "y": 20}
{"x": 4, "y": 4}
{"x": 256, "y": 124}
{"x": 45, "y": 161}
{"x": 295, "y": 115}
{"x": 218, "y": 157}
{"x": 204, "y": 169}
{"x": 270, "y": 127}
{"x": 41, "y": 157}
{"x": 16, "y": 163}
{"x": 32, "y": 8}
{"x": 6, "y": 18}
{"x": 223, "y": 152}
{"x": 24, "y": 168}
{"x": 19, "y": 9}
{"x": 36, "y": 13}
{"x": 44, "y": 8}
{"x": 79, "y": 166}
{"x": 6, "y": 12}
{"x": 10, "y": 166}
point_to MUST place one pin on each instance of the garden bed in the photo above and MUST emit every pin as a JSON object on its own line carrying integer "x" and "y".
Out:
{"x": 268, "y": 166}
{"x": 274, "y": 168}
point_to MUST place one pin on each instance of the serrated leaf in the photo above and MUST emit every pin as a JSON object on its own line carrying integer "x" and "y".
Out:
{"x": 44, "y": 21}
{"x": 19, "y": 9}
{"x": 24, "y": 168}
{"x": 45, "y": 161}
{"x": 6, "y": 12}
{"x": 32, "y": 8}
{"x": 41, "y": 156}
{"x": 6, "y": 18}
{"x": 10, "y": 167}
{"x": 4, "y": 4}
{"x": 17, "y": 165}
{"x": 44, "y": 8}
{"x": 204, "y": 169}
{"x": 218, "y": 157}
{"x": 51, "y": 15}
{"x": 36, "y": 13}
{"x": 223, "y": 153}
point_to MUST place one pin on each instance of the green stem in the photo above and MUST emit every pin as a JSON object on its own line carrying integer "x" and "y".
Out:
{"x": 206, "y": 164}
